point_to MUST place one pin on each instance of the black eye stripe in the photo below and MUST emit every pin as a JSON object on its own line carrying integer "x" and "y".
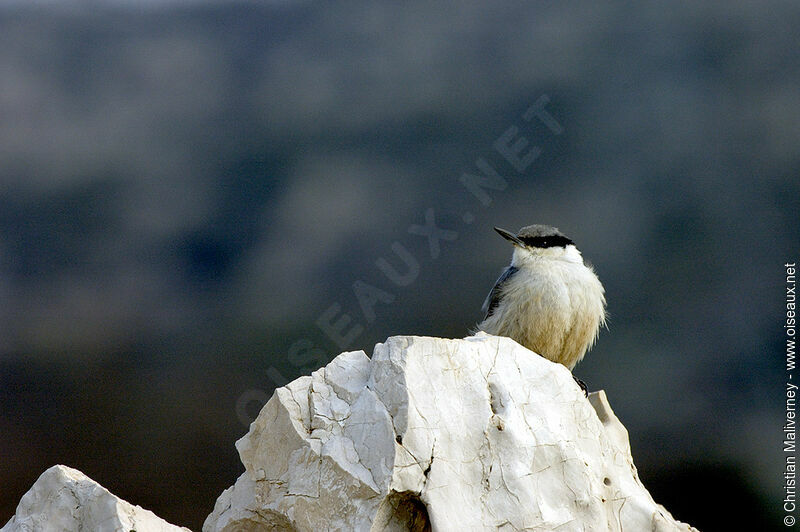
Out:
{"x": 546, "y": 241}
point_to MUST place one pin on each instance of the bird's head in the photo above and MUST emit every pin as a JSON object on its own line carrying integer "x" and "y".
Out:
{"x": 539, "y": 241}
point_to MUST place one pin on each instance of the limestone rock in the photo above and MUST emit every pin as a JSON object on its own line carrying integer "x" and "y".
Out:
{"x": 437, "y": 434}
{"x": 64, "y": 499}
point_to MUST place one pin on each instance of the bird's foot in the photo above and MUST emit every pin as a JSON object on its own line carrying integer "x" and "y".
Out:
{"x": 582, "y": 386}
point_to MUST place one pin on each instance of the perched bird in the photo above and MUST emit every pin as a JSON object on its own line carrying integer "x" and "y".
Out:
{"x": 547, "y": 300}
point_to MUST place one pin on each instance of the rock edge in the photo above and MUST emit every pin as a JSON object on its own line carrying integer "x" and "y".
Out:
{"x": 64, "y": 499}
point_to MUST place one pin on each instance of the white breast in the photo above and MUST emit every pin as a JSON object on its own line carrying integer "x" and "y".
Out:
{"x": 554, "y": 305}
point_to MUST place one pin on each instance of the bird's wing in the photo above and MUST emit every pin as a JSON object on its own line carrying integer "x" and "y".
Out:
{"x": 493, "y": 299}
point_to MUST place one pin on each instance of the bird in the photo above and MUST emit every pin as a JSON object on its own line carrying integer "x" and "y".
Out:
{"x": 547, "y": 300}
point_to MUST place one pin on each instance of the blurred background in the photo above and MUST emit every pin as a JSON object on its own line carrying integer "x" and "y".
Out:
{"x": 187, "y": 189}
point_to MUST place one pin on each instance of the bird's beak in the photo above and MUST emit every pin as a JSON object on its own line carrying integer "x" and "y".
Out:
{"x": 510, "y": 236}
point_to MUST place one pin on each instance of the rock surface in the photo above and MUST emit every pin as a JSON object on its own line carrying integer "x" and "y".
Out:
{"x": 437, "y": 434}
{"x": 64, "y": 499}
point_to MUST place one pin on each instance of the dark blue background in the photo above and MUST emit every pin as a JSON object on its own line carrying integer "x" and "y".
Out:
{"x": 186, "y": 188}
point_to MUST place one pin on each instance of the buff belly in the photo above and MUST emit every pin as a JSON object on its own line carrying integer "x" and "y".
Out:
{"x": 555, "y": 310}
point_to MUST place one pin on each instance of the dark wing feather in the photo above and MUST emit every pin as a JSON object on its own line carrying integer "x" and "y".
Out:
{"x": 493, "y": 299}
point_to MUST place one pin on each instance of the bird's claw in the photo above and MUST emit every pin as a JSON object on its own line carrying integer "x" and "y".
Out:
{"x": 582, "y": 386}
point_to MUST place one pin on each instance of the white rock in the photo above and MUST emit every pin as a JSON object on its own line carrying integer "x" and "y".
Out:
{"x": 64, "y": 499}
{"x": 473, "y": 434}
